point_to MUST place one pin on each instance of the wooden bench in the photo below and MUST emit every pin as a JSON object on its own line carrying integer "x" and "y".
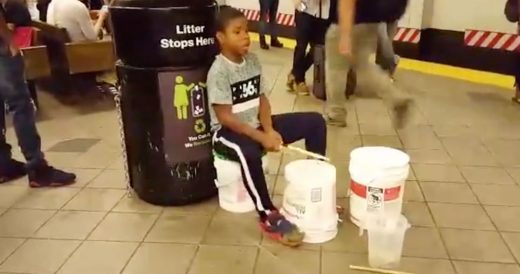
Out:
{"x": 36, "y": 62}
{"x": 69, "y": 58}
{"x": 87, "y": 57}
{"x": 77, "y": 57}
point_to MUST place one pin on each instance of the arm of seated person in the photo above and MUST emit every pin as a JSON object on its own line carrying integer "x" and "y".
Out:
{"x": 89, "y": 31}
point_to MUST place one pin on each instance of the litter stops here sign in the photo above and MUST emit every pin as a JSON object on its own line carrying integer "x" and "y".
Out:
{"x": 184, "y": 105}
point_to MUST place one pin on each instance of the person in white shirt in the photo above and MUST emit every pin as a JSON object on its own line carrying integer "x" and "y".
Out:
{"x": 311, "y": 25}
{"x": 74, "y": 16}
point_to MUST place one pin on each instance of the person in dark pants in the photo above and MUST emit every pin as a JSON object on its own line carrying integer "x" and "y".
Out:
{"x": 311, "y": 26}
{"x": 512, "y": 13}
{"x": 269, "y": 10}
{"x": 14, "y": 94}
{"x": 243, "y": 126}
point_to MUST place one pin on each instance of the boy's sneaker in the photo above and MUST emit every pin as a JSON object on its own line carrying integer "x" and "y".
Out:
{"x": 12, "y": 171}
{"x": 47, "y": 176}
{"x": 280, "y": 229}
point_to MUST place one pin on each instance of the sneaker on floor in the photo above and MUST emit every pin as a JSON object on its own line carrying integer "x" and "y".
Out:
{"x": 290, "y": 82}
{"x": 335, "y": 122}
{"x": 281, "y": 230}
{"x": 401, "y": 111}
{"x": 12, "y": 171}
{"x": 47, "y": 176}
{"x": 276, "y": 44}
{"x": 301, "y": 89}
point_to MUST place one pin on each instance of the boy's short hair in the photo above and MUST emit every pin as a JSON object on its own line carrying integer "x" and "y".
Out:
{"x": 225, "y": 15}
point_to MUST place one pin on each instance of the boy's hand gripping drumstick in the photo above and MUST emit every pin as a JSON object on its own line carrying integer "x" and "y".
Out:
{"x": 307, "y": 153}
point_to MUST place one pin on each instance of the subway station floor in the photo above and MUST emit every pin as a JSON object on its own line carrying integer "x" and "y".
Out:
{"x": 462, "y": 197}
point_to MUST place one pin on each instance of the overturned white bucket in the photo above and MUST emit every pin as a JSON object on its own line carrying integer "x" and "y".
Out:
{"x": 232, "y": 193}
{"x": 378, "y": 176}
{"x": 310, "y": 199}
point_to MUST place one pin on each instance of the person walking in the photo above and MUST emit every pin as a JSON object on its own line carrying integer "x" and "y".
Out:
{"x": 385, "y": 55}
{"x": 14, "y": 94}
{"x": 269, "y": 11}
{"x": 311, "y": 17}
{"x": 356, "y": 44}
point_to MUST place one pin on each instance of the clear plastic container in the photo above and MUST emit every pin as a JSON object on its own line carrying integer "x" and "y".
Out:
{"x": 385, "y": 240}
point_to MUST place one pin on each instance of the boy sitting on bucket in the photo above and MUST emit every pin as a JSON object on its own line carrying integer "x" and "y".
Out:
{"x": 243, "y": 125}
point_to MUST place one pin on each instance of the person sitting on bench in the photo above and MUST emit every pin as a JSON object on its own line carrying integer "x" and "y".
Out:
{"x": 74, "y": 16}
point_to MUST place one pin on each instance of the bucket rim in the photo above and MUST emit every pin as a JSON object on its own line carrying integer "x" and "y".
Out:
{"x": 292, "y": 170}
{"x": 399, "y": 157}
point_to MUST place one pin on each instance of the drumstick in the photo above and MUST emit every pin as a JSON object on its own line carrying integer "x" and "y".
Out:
{"x": 307, "y": 153}
{"x": 376, "y": 270}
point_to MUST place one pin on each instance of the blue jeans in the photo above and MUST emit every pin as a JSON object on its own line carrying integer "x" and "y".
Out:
{"x": 15, "y": 94}
{"x": 268, "y": 9}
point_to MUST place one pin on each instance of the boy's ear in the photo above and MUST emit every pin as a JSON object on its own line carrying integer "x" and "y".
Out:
{"x": 220, "y": 36}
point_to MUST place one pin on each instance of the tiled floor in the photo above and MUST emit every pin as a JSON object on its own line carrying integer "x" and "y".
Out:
{"x": 463, "y": 195}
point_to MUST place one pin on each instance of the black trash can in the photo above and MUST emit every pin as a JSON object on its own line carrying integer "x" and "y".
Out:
{"x": 157, "y": 33}
{"x": 163, "y": 97}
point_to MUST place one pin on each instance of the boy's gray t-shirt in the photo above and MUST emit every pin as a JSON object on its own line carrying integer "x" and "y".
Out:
{"x": 239, "y": 85}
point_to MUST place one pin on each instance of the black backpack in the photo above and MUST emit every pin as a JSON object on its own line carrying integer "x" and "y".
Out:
{"x": 511, "y": 11}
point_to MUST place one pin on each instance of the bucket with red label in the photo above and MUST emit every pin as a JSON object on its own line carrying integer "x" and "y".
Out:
{"x": 378, "y": 176}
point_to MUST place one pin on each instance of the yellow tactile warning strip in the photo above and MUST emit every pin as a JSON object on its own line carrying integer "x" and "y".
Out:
{"x": 475, "y": 76}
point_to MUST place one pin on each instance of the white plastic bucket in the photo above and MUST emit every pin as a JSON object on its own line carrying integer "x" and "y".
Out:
{"x": 310, "y": 199}
{"x": 385, "y": 240}
{"x": 232, "y": 193}
{"x": 378, "y": 176}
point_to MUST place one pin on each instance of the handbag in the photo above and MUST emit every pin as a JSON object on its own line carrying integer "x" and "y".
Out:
{"x": 22, "y": 37}
{"x": 511, "y": 11}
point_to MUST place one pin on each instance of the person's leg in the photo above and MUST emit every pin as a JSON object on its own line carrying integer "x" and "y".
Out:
{"x": 13, "y": 90}
{"x": 371, "y": 77}
{"x": 516, "y": 97}
{"x": 337, "y": 66}
{"x": 300, "y": 61}
{"x": 249, "y": 154}
{"x": 16, "y": 95}
{"x": 264, "y": 12}
{"x": 5, "y": 148}
{"x": 309, "y": 126}
{"x": 9, "y": 168}
{"x": 385, "y": 55}
{"x": 273, "y": 23}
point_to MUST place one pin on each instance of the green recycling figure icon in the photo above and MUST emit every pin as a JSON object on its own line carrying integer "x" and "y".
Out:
{"x": 200, "y": 126}
{"x": 181, "y": 100}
